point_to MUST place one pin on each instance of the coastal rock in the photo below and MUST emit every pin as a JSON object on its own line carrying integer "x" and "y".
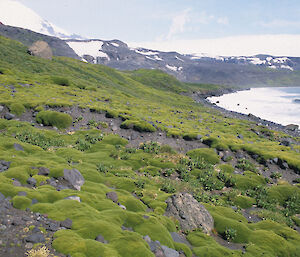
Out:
{"x": 74, "y": 177}
{"x": 41, "y": 49}
{"x": 189, "y": 212}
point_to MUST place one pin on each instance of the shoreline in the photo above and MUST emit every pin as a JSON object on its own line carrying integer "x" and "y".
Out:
{"x": 202, "y": 98}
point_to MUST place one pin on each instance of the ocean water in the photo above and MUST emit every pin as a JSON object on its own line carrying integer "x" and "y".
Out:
{"x": 277, "y": 104}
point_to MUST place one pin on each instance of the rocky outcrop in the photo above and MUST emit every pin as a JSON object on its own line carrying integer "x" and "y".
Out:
{"x": 74, "y": 177}
{"x": 28, "y": 37}
{"x": 41, "y": 49}
{"x": 190, "y": 213}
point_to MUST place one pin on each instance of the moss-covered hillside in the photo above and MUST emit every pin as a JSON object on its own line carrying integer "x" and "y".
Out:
{"x": 236, "y": 168}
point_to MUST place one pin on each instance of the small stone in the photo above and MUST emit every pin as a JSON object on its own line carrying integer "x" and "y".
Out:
{"x": 1, "y": 108}
{"x": 169, "y": 252}
{"x": 112, "y": 196}
{"x": 43, "y": 171}
{"x": 147, "y": 239}
{"x": 122, "y": 206}
{"x": 52, "y": 227}
{"x": 31, "y": 181}
{"x": 2, "y": 197}
{"x": 35, "y": 238}
{"x": 34, "y": 201}
{"x": 28, "y": 245}
{"x": 73, "y": 197}
{"x": 101, "y": 239}
{"x": 18, "y": 147}
{"x": 16, "y": 183}
{"x": 67, "y": 223}
{"x": 9, "y": 116}
{"x": 22, "y": 193}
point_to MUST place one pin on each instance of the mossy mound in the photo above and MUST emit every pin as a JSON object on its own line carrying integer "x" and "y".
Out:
{"x": 56, "y": 119}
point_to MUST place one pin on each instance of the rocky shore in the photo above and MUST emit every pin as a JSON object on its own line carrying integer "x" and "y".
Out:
{"x": 291, "y": 129}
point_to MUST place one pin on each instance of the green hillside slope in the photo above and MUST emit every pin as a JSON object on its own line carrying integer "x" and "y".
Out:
{"x": 147, "y": 103}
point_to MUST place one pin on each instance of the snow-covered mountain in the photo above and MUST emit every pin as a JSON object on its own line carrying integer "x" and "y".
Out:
{"x": 15, "y": 14}
{"x": 258, "y": 70}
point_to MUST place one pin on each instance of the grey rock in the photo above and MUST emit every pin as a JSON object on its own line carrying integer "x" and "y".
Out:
{"x": 292, "y": 127}
{"x": 1, "y": 108}
{"x": 35, "y": 238}
{"x": 179, "y": 239}
{"x": 275, "y": 160}
{"x": 52, "y": 227}
{"x": 74, "y": 198}
{"x": 159, "y": 253}
{"x": 2, "y": 197}
{"x": 31, "y": 181}
{"x": 43, "y": 171}
{"x": 18, "y": 147}
{"x": 74, "y": 177}
{"x": 112, "y": 196}
{"x": 41, "y": 49}
{"x": 189, "y": 212}
{"x": 67, "y": 223}
{"x": 147, "y": 239}
{"x": 101, "y": 239}
{"x": 127, "y": 228}
{"x": 169, "y": 252}
{"x": 122, "y": 206}
{"x": 284, "y": 165}
{"x": 22, "y": 193}
{"x": 9, "y": 116}
{"x": 28, "y": 245}
{"x": 34, "y": 201}
{"x": 16, "y": 183}
{"x": 199, "y": 137}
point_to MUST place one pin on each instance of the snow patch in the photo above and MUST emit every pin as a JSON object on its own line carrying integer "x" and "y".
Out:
{"x": 92, "y": 48}
{"x": 203, "y": 55}
{"x": 286, "y": 67}
{"x": 172, "y": 68}
{"x": 257, "y": 61}
{"x": 115, "y": 44}
{"x": 154, "y": 58}
{"x": 281, "y": 60}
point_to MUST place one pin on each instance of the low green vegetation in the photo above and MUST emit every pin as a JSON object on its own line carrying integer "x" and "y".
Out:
{"x": 56, "y": 119}
{"x": 144, "y": 176}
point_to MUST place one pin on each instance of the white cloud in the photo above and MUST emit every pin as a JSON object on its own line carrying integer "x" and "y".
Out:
{"x": 280, "y": 24}
{"x": 223, "y": 21}
{"x": 178, "y": 23}
{"x": 277, "y": 45}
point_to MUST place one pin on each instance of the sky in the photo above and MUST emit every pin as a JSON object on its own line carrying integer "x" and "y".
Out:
{"x": 215, "y": 26}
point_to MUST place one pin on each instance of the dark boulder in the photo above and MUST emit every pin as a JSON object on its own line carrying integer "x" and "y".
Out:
{"x": 67, "y": 223}
{"x": 112, "y": 196}
{"x": 9, "y": 116}
{"x": 189, "y": 212}
{"x": 74, "y": 177}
